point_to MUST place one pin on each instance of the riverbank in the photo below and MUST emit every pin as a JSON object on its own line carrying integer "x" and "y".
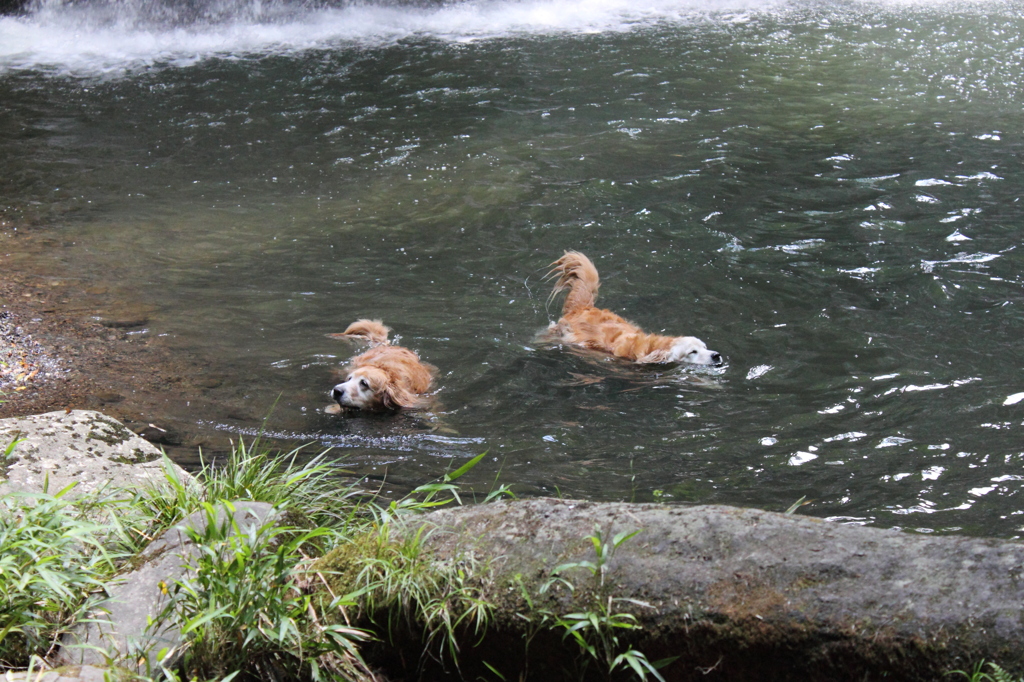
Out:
{"x": 89, "y": 510}
{"x": 324, "y": 578}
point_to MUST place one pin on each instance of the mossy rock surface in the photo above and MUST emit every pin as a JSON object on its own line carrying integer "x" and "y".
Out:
{"x": 83, "y": 447}
{"x": 735, "y": 594}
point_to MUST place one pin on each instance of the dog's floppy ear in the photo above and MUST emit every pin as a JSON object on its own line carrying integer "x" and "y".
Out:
{"x": 654, "y": 356}
{"x": 396, "y": 397}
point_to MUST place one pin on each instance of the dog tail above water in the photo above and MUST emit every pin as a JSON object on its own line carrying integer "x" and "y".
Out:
{"x": 373, "y": 331}
{"x": 576, "y": 273}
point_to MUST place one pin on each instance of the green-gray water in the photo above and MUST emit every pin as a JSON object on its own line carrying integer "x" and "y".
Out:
{"x": 826, "y": 193}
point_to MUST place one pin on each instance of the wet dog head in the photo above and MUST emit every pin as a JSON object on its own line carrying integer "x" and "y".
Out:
{"x": 361, "y": 389}
{"x": 371, "y": 388}
{"x": 692, "y": 350}
{"x": 385, "y": 377}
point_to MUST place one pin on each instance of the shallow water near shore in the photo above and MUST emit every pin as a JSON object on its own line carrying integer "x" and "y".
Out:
{"x": 827, "y": 194}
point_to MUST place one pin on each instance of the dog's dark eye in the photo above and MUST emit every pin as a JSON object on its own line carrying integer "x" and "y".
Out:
{"x": 364, "y": 384}
{"x": 693, "y": 352}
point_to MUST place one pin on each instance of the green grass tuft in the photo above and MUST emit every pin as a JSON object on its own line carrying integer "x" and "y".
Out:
{"x": 259, "y": 604}
{"x": 52, "y": 563}
{"x": 243, "y": 609}
{"x": 978, "y": 673}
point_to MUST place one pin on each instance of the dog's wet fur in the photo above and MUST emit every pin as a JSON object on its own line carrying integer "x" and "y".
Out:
{"x": 385, "y": 377}
{"x": 584, "y": 325}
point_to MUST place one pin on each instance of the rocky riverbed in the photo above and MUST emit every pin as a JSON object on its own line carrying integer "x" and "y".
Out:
{"x": 58, "y": 347}
{"x": 67, "y": 344}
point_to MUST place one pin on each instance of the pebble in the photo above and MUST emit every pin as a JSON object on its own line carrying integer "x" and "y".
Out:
{"x": 23, "y": 361}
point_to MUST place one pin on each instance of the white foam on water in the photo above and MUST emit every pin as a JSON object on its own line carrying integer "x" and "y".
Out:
{"x": 117, "y": 36}
{"x": 1014, "y": 399}
{"x": 96, "y": 39}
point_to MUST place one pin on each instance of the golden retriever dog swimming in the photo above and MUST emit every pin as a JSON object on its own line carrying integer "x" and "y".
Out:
{"x": 385, "y": 377}
{"x": 584, "y": 325}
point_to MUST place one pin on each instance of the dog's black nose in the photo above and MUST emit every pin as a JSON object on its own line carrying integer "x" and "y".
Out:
{"x": 716, "y": 358}
{"x": 336, "y": 394}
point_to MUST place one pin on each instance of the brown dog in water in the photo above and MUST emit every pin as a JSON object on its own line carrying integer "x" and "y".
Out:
{"x": 584, "y": 325}
{"x": 385, "y": 377}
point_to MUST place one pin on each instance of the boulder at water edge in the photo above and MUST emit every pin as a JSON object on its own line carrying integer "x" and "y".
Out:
{"x": 734, "y": 594}
{"x": 83, "y": 447}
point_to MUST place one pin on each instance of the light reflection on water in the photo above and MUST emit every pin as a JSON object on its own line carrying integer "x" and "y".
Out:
{"x": 827, "y": 196}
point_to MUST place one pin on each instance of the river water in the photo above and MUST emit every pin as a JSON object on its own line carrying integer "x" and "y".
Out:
{"x": 826, "y": 193}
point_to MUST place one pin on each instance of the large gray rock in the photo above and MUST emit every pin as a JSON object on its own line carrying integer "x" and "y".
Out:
{"x": 122, "y": 630}
{"x": 83, "y": 447}
{"x": 742, "y": 594}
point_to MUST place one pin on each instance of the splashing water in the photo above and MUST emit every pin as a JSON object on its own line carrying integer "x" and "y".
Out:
{"x": 106, "y": 37}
